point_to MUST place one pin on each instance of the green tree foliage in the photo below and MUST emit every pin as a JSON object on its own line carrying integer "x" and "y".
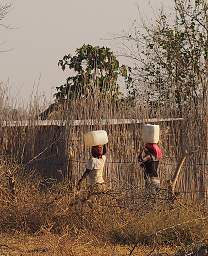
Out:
{"x": 173, "y": 55}
{"x": 94, "y": 69}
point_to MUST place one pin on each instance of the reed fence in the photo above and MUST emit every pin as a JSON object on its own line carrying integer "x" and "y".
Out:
{"x": 54, "y": 145}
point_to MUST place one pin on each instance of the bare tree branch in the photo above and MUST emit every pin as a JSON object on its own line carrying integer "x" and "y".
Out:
{"x": 4, "y": 9}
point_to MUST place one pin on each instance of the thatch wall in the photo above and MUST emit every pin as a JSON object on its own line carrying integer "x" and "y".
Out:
{"x": 52, "y": 146}
{"x": 39, "y": 148}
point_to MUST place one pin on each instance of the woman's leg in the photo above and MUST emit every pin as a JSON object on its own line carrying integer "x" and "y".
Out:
{"x": 155, "y": 185}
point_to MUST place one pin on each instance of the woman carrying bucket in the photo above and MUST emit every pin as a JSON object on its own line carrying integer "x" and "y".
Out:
{"x": 150, "y": 157}
{"x": 95, "y": 165}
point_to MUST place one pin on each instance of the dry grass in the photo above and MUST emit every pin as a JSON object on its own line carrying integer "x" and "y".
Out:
{"x": 62, "y": 222}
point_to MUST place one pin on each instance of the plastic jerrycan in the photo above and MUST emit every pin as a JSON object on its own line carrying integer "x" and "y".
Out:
{"x": 151, "y": 133}
{"x": 95, "y": 138}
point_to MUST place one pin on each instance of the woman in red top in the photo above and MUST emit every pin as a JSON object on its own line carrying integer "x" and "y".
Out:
{"x": 149, "y": 158}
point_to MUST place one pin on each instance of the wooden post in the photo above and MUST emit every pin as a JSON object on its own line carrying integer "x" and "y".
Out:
{"x": 173, "y": 181}
{"x": 177, "y": 172}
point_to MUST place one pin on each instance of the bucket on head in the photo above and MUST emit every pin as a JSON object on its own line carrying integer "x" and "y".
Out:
{"x": 151, "y": 133}
{"x": 95, "y": 138}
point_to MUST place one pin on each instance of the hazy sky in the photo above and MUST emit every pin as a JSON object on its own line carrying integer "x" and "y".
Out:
{"x": 45, "y": 30}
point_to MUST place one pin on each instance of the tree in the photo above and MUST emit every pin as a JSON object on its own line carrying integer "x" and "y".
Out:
{"x": 173, "y": 55}
{"x": 94, "y": 70}
{"x": 4, "y": 8}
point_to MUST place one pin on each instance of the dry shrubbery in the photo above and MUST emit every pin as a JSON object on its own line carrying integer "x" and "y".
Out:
{"x": 107, "y": 218}
{"x": 167, "y": 225}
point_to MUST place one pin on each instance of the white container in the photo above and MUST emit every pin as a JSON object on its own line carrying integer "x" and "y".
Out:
{"x": 95, "y": 138}
{"x": 151, "y": 133}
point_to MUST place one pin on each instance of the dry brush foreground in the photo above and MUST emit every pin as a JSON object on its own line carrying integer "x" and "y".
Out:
{"x": 60, "y": 221}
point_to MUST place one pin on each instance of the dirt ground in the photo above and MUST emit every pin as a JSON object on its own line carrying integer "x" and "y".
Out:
{"x": 48, "y": 245}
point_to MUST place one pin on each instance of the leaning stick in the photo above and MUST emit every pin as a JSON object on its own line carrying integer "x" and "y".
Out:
{"x": 176, "y": 174}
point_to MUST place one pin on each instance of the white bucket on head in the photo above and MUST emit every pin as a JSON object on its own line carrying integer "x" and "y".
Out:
{"x": 95, "y": 138}
{"x": 151, "y": 133}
